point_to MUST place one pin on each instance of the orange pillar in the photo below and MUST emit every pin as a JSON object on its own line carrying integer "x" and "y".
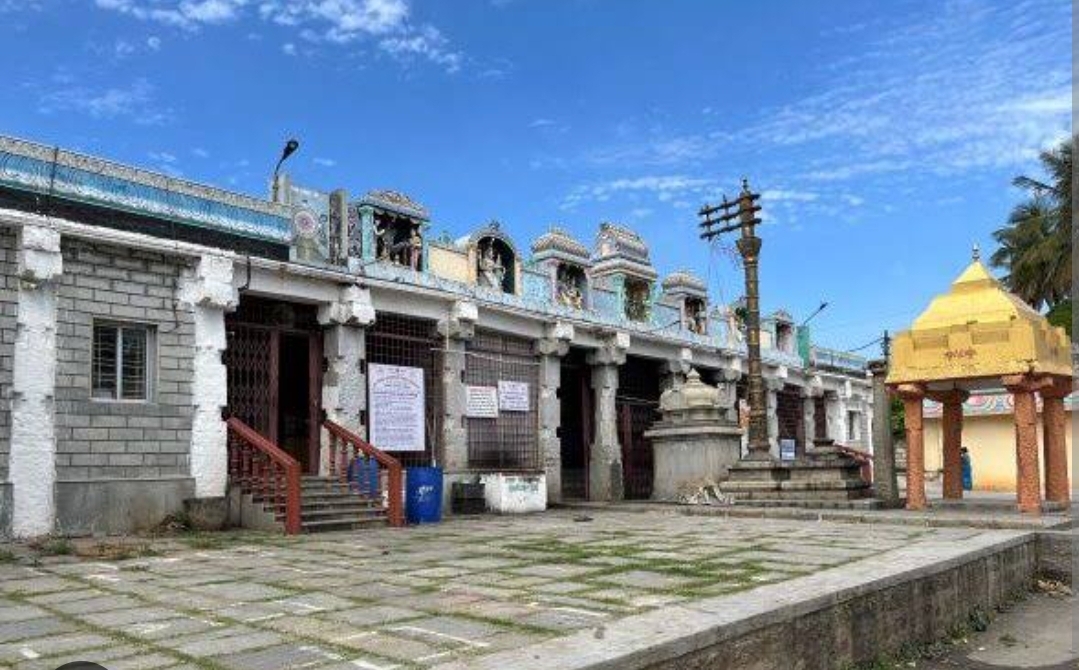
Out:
{"x": 1028, "y": 484}
{"x": 912, "y": 396}
{"x": 952, "y": 425}
{"x": 1054, "y": 449}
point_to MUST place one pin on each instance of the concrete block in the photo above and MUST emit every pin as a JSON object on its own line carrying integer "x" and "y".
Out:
{"x": 118, "y": 506}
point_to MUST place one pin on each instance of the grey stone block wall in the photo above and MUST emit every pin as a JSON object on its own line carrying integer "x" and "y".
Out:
{"x": 122, "y": 440}
{"x": 9, "y": 305}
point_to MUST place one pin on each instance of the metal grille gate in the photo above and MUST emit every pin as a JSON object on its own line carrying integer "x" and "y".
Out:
{"x": 409, "y": 342}
{"x": 637, "y": 403}
{"x": 510, "y": 442}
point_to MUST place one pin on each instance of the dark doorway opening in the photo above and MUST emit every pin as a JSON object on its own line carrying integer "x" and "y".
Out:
{"x": 637, "y": 403}
{"x": 274, "y": 364}
{"x": 575, "y": 432}
{"x": 789, "y": 411}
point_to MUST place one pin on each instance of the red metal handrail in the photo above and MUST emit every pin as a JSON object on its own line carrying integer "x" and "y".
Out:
{"x": 345, "y": 446}
{"x": 262, "y": 469}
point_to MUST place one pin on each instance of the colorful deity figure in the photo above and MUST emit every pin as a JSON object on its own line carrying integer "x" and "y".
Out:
{"x": 415, "y": 248}
{"x": 568, "y": 290}
{"x": 491, "y": 271}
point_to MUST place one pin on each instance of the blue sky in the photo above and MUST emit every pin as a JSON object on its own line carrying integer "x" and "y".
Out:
{"x": 883, "y": 135}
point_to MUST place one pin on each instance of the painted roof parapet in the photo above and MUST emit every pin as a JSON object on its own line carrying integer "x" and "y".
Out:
{"x": 619, "y": 249}
{"x": 51, "y": 171}
{"x": 558, "y": 243}
{"x": 395, "y": 201}
{"x": 684, "y": 281}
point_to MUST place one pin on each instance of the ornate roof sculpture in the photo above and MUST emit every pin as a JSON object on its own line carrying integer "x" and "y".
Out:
{"x": 395, "y": 201}
{"x": 619, "y": 249}
{"x": 558, "y": 243}
{"x": 493, "y": 229}
{"x": 978, "y": 330}
{"x": 684, "y": 282}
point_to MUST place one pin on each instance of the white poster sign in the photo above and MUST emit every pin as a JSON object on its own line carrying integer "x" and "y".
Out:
{"x": 396, "y": 407}
{"x": 513, "y": 396}
{"x": 481, "y": 402}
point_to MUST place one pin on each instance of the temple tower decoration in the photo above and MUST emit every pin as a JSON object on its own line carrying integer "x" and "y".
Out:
{"x": 686, "y": 292}
{"x": 492, "y": 257}
{"x": 567, "y": 263}
{"x": 621, "y": 262}
{"x": 390, "y": 227}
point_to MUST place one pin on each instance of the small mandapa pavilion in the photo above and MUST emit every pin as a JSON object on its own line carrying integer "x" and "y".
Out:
{"x": 979, "y": 336}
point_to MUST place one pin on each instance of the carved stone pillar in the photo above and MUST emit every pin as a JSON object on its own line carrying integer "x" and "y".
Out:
{"x": 1054, "y": 449}
{"x": 209, "y": 291}
{"x": 772, "y": 387}
{"x": 457, "y": 329}
{"x": 913, "y": 396}
{"x": 952, "y": 428}
{"x": 1028, "y": 480}
{"x": 605, "y": 455}
{"x": 675, "y": 370}
{"x": 32, "y": 458}
{"x": 551, "y": 349}
{"x": 344, "y": 384}
{"x": 885, "y": 484}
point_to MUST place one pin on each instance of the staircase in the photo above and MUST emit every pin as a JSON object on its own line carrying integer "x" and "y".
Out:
{"x": 268, "y": 491}
{"x": 326, "y": 504}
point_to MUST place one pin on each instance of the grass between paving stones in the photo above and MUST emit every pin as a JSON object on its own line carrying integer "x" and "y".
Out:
{"x": 117, "y": 637}
{"x": 205, "y": 663}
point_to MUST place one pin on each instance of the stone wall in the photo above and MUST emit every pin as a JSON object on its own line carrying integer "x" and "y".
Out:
{"x": 96, "y": 439}
{"x": 9, "y": 304}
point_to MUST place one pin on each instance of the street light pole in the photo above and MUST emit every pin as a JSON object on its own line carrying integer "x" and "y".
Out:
{"x": 741, "y": 215}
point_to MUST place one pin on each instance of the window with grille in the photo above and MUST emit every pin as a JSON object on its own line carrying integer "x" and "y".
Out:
{"x": 121, "y": 362}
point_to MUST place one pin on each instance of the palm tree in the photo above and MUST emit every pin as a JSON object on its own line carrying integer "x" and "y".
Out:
{"x": 1036, "y": 244}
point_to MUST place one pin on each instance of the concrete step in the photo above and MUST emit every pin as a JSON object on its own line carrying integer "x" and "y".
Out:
{"x": 339, "y": 524}
{"x": 345, "y": 513}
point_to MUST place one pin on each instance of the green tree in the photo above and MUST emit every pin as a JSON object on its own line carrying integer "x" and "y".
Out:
{"x": 1036, "y": 243}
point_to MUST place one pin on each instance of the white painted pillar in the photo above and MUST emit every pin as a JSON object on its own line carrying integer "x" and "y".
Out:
{"x": 344, "y": 385}
{"x": 32, "y": 461}
{"x": 209, "y": 291}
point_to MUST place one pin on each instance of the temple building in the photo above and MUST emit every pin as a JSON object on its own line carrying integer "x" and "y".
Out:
{"x": 169, "y": 346}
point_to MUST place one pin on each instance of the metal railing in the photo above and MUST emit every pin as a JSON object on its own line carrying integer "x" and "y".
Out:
{"x": 351, "y": 458}
{"x": 262, "y": 469}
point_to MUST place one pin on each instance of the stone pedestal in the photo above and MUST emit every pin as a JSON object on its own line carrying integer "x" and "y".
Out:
{"x": 695, "y": 443}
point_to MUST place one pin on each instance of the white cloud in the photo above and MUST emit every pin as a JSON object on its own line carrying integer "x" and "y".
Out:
{"x": 318, "y": 21}
{"x": 289, "y": 49}
{"x": 323, "y": 162}
{"x": 540, "y": 123}
{"x": 200, "y": 152}
{"x": 426, "y": 42}
{"x": 162, "y": 156}
{"x": 135, "y": 101}
{"x": 153, "y": 43}
{"x": 663, "y": 188}
{"x": 122, "y": 48}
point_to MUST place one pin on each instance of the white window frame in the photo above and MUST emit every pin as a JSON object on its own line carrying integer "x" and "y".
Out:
{"x": 150, "y": 332}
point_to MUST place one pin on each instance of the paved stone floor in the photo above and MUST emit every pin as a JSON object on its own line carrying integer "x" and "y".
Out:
{"x": 411, "y": 598}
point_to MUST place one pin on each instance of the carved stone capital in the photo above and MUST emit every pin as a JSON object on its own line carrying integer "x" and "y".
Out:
{"x": 39, "y": 254}
{"x": 910, "y": 391}
{"x": 461, "y": 323}
{"x": 1061, "y": 387}
{"x": 612, "y": 350}
{"x": 1026, "y": 383}
{"x": 352, "y": 308}
{"x": 878, "y": 368}
{"x": 209, "y": 284}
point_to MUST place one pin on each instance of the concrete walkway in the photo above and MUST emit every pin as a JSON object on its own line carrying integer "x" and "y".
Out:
{"x": 460, "y": 592}
{"x": 1037, "y": 633}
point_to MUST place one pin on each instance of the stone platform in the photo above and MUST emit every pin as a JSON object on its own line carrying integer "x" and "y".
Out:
{"x": 569, "y": 589}
{"x": 800, "y": 480}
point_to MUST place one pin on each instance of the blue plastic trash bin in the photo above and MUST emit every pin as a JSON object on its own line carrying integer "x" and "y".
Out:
{"x": 423, "y": 495}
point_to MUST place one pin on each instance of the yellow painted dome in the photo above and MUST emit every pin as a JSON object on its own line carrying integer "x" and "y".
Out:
{"x": 978, "y": 330}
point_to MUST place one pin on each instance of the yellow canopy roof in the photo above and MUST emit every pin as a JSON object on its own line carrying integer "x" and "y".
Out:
{"x": 978, "y": 330}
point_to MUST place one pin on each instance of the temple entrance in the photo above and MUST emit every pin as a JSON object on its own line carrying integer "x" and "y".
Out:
{"x": 274, "y": 363}
{"x": 637, "y": 404}
{"x": 575, "y": 433}
{"x": 791, "y": 416}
